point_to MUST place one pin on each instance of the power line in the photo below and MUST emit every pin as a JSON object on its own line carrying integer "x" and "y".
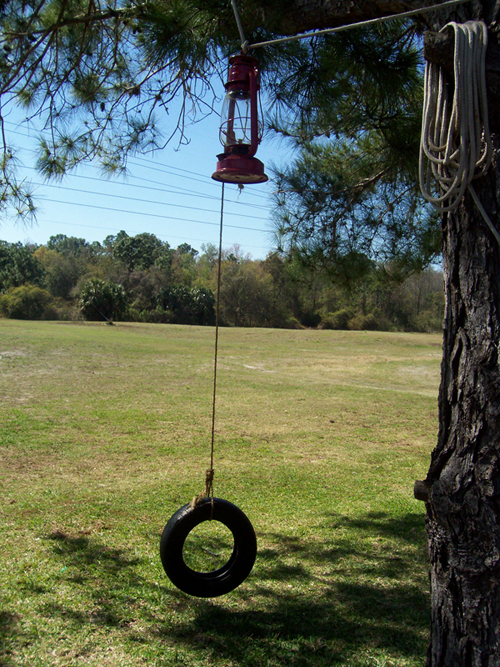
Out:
{"x": 151, "y": 215}
{"x": 158, "y": 166}
{"x": 180, "y": 190}
{"x": 192, "y": 193}
{"x": 167, "y": 190}
{"x": 206, "y": 179}
{"x": 142, "y": 201}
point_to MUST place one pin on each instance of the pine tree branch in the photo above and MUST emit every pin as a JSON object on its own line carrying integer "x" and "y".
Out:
{"x": 81, "y": 19}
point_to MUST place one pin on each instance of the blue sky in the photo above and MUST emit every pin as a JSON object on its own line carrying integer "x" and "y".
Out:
{"x": 169, "y": 193}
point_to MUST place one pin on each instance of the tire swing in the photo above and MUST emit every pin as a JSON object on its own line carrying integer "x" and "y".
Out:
{"x": 205, "y": 507}
{"x": 230, "y": 575}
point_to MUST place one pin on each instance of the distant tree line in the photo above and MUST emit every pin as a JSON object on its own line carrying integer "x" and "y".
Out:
{"x": 143, "y": 279}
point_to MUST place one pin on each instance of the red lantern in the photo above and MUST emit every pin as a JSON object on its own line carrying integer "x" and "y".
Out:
{"x": 240, "y": 130}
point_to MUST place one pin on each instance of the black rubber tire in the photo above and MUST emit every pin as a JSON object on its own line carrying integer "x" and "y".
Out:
{"x": 230, "y": 575}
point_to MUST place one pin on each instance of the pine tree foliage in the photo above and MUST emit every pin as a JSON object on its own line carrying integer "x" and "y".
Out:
{"x": 105, "y": 79}
{"x": 352, "y": 192}
{"x": 99, "y": 77}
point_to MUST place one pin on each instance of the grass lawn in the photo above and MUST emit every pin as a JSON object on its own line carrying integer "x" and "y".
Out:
{"x": 105, "y": 433}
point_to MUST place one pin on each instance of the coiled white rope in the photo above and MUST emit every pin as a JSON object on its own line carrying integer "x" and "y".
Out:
{"x": 455, "y": 143}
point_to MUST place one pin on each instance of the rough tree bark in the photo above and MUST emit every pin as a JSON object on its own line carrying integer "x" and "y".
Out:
{"x": 463, "y": 483}
{"x": 462, "y": 489}
{"x": 463, "y": 508}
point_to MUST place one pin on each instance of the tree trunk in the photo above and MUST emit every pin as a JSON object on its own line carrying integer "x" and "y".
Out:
{"x": 463, "y": 508}
{"x": 462, "y": 489}
{"x": 463, "y": 511}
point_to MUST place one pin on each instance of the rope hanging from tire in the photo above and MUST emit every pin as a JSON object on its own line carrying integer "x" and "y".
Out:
{"x": 455, "y": 143}
{"x": 204, "y": 507}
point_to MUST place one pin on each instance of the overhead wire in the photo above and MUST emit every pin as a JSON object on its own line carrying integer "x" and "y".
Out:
{"x": 171, "y": 190}
{"x": 138, "y": 199}
{"x": 162, "y": 168}
{"x": 189, "y": 174}
{"x": 357, "y": 24}
{"x": 167, "y": 190}
{"x": 151, "y": 215}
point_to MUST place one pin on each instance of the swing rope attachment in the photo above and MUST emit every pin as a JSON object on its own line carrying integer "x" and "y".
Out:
{"x": 208, "y": 491}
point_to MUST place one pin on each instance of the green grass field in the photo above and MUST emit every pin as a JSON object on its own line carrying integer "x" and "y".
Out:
{"x": 105, "y": 433}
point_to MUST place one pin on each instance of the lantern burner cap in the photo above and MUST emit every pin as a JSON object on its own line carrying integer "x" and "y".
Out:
{"x": 239, "y": 169}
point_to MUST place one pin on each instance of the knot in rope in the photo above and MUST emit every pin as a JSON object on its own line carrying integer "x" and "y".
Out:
{"x": 209, "y": 482}
{"x": 207, "y": 493}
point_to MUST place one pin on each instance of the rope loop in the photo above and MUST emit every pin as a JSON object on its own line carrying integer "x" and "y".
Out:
{"x": 456, "y": 143}
{"x": 208, "y": 492}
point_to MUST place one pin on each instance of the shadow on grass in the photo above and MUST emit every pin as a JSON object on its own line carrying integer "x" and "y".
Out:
{"x": 108, "y": 574}
{"x": 8, "y": 630}
{"x": 306, "y": 603}
{"x": 340, "y": 600}
{"x": 409, "y": 528}
{"x": 83, "y": 551}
